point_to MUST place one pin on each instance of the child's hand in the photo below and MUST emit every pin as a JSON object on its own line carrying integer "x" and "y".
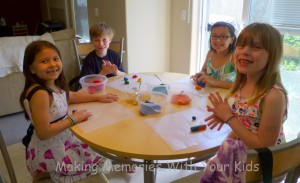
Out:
{"x": 80, "y": 115}
{"x": 108, "y": 98}
{"x": 197, "y": 76}
{"x": 208, "y": 80}
{"x": 108, "y": 68}
{"x": 221, "y": 110}
{"x": 120, "y": 73}
{"x": 214, "y": 121}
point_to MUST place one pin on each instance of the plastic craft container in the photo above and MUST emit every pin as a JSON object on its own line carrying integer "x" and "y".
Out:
{"x": 163, "y": 88}
{"x": 131, "y": 91}
{"x": 181, "y": 93}
{"x": 151, "y": 102}
{"x": 94, "y": 83}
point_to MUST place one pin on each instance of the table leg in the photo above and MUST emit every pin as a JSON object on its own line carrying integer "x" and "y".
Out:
{"x": 149, "y": 172}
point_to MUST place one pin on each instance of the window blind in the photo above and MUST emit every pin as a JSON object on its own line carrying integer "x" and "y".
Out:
{"x": 285, "y": 14}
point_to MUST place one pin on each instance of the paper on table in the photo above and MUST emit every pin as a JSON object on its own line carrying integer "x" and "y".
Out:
{"x": 147, "y": 81}
{"x": 101, "y": 117}
{"x": 175, "y": 129}
{"x": 186, "y": 80}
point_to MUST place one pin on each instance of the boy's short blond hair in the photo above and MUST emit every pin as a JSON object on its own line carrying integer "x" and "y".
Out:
{"x": 101, "y": 29}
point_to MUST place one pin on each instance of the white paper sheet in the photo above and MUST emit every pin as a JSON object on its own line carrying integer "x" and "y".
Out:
{"x": 175, "y": 129}
{"x": 186, "y": 80}
{"x": 147, "y": 82}
{"x": 119, "y": 84}
{"x": 101, "y": 117}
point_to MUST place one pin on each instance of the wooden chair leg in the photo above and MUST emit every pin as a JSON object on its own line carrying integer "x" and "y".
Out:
{"x": 293, "y": 175}
{"x": 7, "y": 160}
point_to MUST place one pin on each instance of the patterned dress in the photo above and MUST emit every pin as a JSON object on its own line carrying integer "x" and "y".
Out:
{"x": 66, "y": 158}
{"x": 250, "y": 115}
{"x": 229, "y": 163}
{"x": 224, "y": 73}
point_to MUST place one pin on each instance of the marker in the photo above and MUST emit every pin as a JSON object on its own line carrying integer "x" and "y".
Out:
{"x": 201, "y": 84}
{"x": 74, "y": 110}
{"x": 198, "y": 128}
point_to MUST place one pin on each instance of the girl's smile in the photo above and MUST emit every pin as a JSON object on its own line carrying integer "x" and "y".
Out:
{"x": 47, "y": 65}
{"x": 220, "y": 38}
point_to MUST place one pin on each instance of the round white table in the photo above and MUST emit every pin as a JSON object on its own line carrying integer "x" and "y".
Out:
{"x": 134, "y": 138}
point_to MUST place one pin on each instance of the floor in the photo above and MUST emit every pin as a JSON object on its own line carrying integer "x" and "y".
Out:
{"x": 163, "y": 176}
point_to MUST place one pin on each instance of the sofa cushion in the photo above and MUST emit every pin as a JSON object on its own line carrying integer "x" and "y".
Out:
{"x": 66, "y": 34}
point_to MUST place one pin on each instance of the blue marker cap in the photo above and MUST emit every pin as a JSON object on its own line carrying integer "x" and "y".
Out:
{"x": 201, "y": 84}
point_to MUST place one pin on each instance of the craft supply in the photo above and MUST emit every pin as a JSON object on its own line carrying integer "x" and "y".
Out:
{"x": 160, "y": 88}
{"x": 134, "y": 76}
{"x": 125, "y": 79}
{"x": 194, "y": 118}
{"x": 162, "y": 83}
{"x": 151, "y": 102}
{"x": 139, "y": 80}
{"x": 201, "y": 84}
{"x": 198, "y": 128}
{"x": 180, "y": 99}
{"x": 94, "y": 83}
{"x": 92, "y": 89}
{"x": 198, "y": 87}
{"x": 149, "y": 108}
{"x": 140, "y": 85}
{"x": 97, "y": 81}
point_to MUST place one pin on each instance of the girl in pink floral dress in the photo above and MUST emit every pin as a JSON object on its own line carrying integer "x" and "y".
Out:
{"x": 260, "y": 104}
{"x": 51, "y": 148}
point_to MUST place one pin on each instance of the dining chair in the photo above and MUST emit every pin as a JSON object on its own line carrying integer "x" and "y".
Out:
{"x": 286, "y": 163}
{"x": 7, "y": 161}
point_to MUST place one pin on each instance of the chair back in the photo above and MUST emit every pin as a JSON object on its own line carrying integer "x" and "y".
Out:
{"x": 7, "y": 160}
{"x": 83, "y": 49}
{"x": 286, "y": 159}
{"x": 118, "y": 46}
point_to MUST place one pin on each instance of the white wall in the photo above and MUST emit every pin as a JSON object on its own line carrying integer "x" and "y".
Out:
{"x": 180, "y": 37}
{"x": 148, "y": 35}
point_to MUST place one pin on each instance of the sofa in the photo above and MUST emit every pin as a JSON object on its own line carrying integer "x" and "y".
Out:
{"x": 12, "y": 84}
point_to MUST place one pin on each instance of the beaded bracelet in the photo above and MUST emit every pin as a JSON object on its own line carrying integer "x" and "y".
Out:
{"x": 72, "y": 120}
{"x": 229, "y": 119}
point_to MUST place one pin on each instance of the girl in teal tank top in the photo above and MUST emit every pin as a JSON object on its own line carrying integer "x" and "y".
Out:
{"x": 218, "y": 69}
